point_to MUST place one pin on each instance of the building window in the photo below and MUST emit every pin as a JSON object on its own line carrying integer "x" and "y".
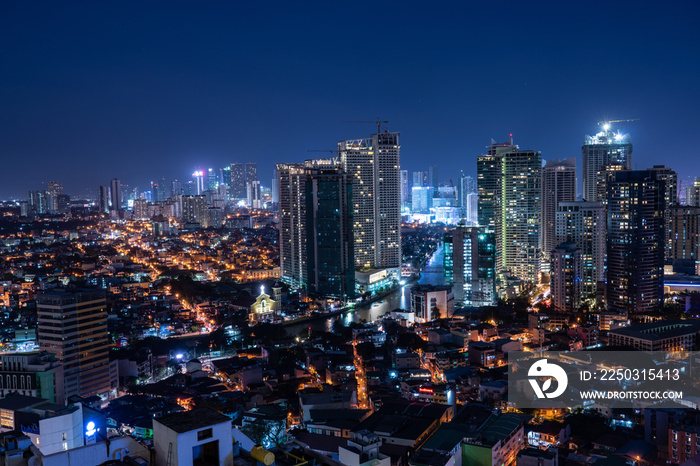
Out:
{"x": 204, "y": 434}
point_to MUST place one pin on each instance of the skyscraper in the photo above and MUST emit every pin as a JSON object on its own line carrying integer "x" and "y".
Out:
{"x": 103, "y": 199}
{"x": 603, "y": 176}
{"x": 292, "y": 224}
{"x": 316, "y": 238}
{"x": 198, "y": 176}
{"x": 692, "y": 193}
{"x": 433, "y": 180}
{"x": 584, "y": 223}
{"x": 566, "y": 277}
{"x": 489, "y": 183}
{"x": 73, "y": 326}
{"x": 195, "y": 209}
{"x": 421, "y": 199}
{"x": 115, "y": 191}
{"x": 251, "y": 172}
{"x": 330, "y": 240}
{"x": 684, "y": 232}
{"x": 253, "y": 194}
{"x": 670, "y": 179}
{"x": 470, "y": 265}
{"x": 508, "y": 180}
{"x": 520, "y": 224}
{"x": 212, "y": 180}
{"x": 37, "y": 202}
{"x": 238, "y": 190}
{"x": 404, "y": 188}
{"x": 558, "y": 185}
{"x": 419, "y": 179}
{"x": 373, "y": 165}
{"x": 635, "y": 244}
{"x": 605, "y": 148}
{"x": 55, "y": 190}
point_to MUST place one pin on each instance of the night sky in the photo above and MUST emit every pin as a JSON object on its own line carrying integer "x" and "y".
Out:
{"x": 144, "y": 90}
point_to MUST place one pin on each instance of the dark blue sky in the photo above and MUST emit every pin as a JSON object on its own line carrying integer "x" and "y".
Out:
{"x": 144, "y": 90}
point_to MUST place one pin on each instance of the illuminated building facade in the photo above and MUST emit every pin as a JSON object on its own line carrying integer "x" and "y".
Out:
{"x": 470, "y": 265}
{"x": 73, "y": 327}
{"x": 373, "y": 167}
{"x": 566, "y": 277}
{"x": 584, "y": 223}
{"x": 508, "y": 180}
{"x": 605, "y": 148}
{"x": 237, "y": 181}
{"x": 558, "y": 185}
{"x": 635, "y": 243}
{"x": 316, "y": 218}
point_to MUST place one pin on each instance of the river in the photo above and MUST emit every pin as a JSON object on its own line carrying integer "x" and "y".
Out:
{"x": 399, "y": 299}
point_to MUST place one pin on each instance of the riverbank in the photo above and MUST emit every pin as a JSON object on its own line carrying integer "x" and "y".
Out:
{"x": 364, "y": 305}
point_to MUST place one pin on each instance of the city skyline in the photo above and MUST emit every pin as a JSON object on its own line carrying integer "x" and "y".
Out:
{"x": 138, "y": 102}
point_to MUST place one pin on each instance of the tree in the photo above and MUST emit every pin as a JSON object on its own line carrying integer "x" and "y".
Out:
{"x": 267, "y": 433}
{"x": 435, "y": 313}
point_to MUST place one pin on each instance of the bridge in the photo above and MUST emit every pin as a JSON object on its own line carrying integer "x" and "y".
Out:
{"x": 433, "y": 270}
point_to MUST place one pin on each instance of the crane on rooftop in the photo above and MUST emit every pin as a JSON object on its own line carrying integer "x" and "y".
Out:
{"x": 606, "y": 123}
{"x": 378, "y": 121}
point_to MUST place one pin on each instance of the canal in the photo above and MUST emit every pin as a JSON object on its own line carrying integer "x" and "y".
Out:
{"x": 399, "y": 299}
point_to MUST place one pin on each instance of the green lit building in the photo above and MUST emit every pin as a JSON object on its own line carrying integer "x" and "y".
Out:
{"x": 470, "y": 265}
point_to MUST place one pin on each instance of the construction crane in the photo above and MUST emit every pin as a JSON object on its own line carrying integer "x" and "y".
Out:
{"x": 606, "y": 123}
{"x": 379, "y": 122}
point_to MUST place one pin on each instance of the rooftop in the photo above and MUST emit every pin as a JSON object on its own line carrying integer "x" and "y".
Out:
{"x": 659, "y": 330}
{"x": 192, "y": 420}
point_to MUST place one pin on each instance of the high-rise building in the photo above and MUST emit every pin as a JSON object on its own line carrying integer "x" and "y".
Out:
{"x": 692, "y": 193}
{"x": 253, "y": 194}
{"x": 176, "y": 187}
{"x": 373, "y": 165}
{"x": 329, "y": 222}
{"x": 55, "y": 190}
{"x": 558, "y": 185}
{"x": 316, "y": 237}
{"x": 566, "y": 274}
{"x": 405, "y": 196}
{"x": 605, "y": 148}
{"x": 684, "y": 232}
{"x": 72, "y": 325}
{"x": 520, "y": 224}
{"x": 466, "y": 185}
{"x": 141, "y": 209}
{"x": 433, "y": 180}
{"x": 292, "y": 224}
{"x": 670, "y": 179}
{"x": 510, "y": 203}
{"x": 195, "y": 209}
{"x": 115, "y": 192}
{"x": 251, "y": 172}
{"x": 275, "y": 188}
{"x": 103, "y": 199}
{"x": 472, "y": 209}
{"x": 489, "y": 182}
{"x": 421, "y": 199}
{"x": 238, "y": 189}
{"x": 470, "y": 265}
{"x": 212, "y": 180}
{"x": 419, "y": 179}
{"x": 635, "y": 243}
{"x": 584, "y": 223}
{"x": 603, "y": 176}
{"x": 37, "y": 202}
{"x": 198, "y": 176}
